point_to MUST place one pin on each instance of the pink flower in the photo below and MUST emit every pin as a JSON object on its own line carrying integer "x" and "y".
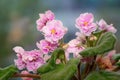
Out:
{"x": 54, "y": 31}
{"x": 50, "y": 15}
{"x": 35, "y": 64}
{"x": 111, "y": 53}
{"x": 111, "y": 28}
{"x": 46, "y": 57}
{"x": 18, "y": 49}
{"x": 74, "y": 47}
{"x": 85, "y": 23}
{"x": 26, "y": 78}
{"x": 46, "y": 47}
{"x": 104, "y": 26}
{"x": 31, "y": 60}
{"x": 20, "y": 64}
{"x": 44, "y": 18}
{"x": 81, "y": 37}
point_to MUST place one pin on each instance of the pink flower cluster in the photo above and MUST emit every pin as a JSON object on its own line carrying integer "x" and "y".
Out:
{"x": 31, "y": 60}
{"x": 53, "y": 31}
{"x": 86, "y": 25}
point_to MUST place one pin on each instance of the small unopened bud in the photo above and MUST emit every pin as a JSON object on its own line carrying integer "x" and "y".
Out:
{"x": 93, "y": 38}
{"x": 58, "y": 61}
{"x": 65, "y": 46}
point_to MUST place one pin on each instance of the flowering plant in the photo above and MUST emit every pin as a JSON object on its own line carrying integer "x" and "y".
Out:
{"x": 90, "y": 56}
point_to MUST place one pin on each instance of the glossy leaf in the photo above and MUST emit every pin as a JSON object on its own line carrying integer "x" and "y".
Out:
{"x": 116, "y": 57}
{"x": 58, "y": 53}
{"x": 104, "y": 44}
{"x": 7, "y": 72}
{"x": 103, "y": 75}
{"x": 62, "y": 71}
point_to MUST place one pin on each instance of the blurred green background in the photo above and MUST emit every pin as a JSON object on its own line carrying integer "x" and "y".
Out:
{"x": 18, "y": 21}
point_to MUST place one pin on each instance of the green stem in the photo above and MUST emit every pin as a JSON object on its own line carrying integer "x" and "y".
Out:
{"x": 88, "y": 43}
{"x": 88, "y": 70}
{"x": 85, "y": 70}
{"x": 91, "y": 67}
{"x": 65, "y": 59}
{"x": 79, "y": 74}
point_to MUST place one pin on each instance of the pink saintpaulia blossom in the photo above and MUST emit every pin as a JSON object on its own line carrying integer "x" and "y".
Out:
{"x": 46, "y": 57}
{"x": 44, "y": 18}
{"x": 18, "y": 62}
{"x": 31, "y": 60}
{"x": 111, "y": 28}
{"x": 81, "y": 37}
{"x": 111, "y": 53}
{"x": 85, "y": 23}
{"x": 50, "y": 15}
{"x": 54, "y": 31}
{"x": 26, "y": 78}
{"x": 104, "y": 26}
{"x": 19, "y": 50}
{"x": 46, "y": 47}
{"x": 74, "y": 47}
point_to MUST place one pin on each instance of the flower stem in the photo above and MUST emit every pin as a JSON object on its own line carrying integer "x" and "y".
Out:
{"x": 93, "y": 66}
{"x": 26, "y": 75}
{"x": 79, "y": 75}
{"x": 85, "y": 70}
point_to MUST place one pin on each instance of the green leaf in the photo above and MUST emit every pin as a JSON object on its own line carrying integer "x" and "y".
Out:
{"x": 116, "y": 57}
{"x": 103, "y": 75}
{"x": 97, "y": 34}
{"x": 58, "y": 53}
{"x": 62, "y": 71}
{"x": 104, "y": 44}
{"x": 7, "y": 72}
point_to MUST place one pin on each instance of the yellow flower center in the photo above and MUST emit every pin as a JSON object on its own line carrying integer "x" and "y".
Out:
{"x": 85, "y": 23}
{"x": 48, "y": 47}
{"x": 53, "y": 31}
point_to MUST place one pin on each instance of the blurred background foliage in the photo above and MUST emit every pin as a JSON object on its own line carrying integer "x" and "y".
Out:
{"x": 18, "y": 21}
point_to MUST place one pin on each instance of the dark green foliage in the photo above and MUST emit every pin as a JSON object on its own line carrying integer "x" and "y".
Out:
{"x": 103, "y": 75}
{"x": 62, "y": 71}
{"x": 104, "y": 44}
{"x": 7, "y": 72}
{"x": 58, "y": 53}
{"x": 116, "y": 56}
{"x": 53, "y": 71}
